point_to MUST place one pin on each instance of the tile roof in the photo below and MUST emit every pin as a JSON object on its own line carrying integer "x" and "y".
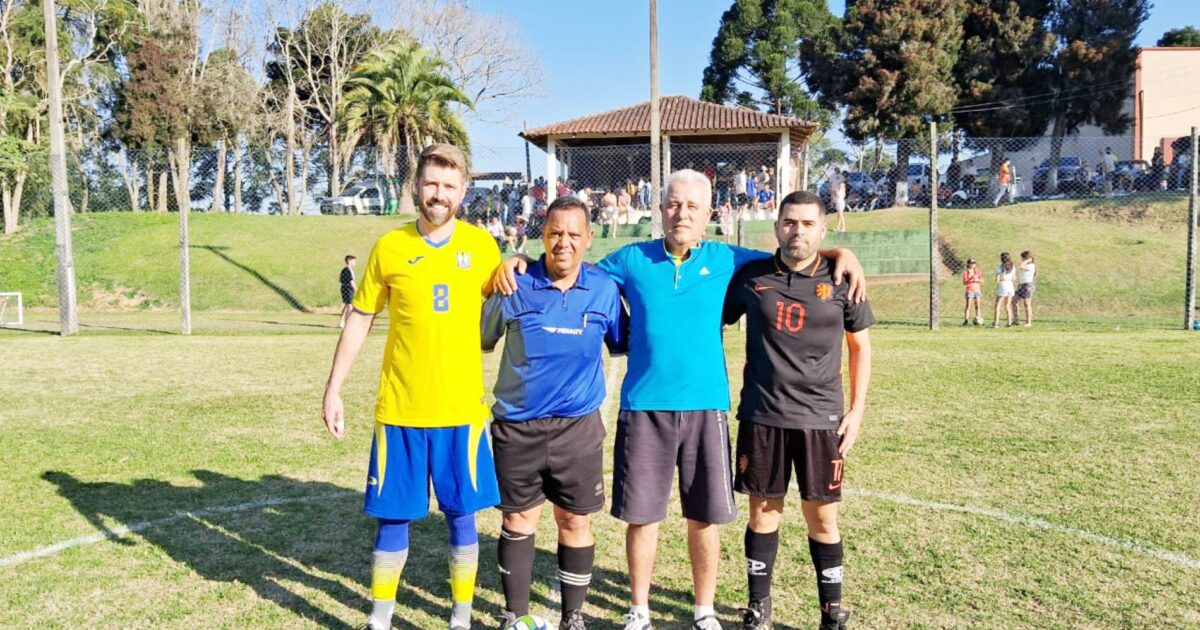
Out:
{"x": 679, "y": 113}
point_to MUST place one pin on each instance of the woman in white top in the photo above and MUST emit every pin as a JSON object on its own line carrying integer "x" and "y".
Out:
{"x": 1026, "y": 272}
{"x": 1005, "y": 274}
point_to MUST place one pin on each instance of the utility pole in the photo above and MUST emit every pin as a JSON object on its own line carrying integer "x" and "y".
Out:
{"x": 68, "y": 316}
{"x": 655, "y": 129}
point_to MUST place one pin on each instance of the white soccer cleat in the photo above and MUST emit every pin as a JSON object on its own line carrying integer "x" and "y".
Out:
{"x": 637, "y": 621}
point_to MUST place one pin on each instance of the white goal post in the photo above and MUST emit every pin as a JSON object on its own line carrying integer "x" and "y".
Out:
{"x": 12, "y": 310}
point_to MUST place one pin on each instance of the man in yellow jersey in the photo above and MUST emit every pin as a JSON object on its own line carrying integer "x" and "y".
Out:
{"x": 430, "y": 416}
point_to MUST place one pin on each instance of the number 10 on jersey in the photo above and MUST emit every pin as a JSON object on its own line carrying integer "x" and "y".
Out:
{"x": 441, "y": 298}
{"x": 789, "y": 317}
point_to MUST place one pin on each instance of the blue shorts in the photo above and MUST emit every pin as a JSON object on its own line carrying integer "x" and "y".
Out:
{"x": 404, "y": 459}
{"x": 974, "y": 294}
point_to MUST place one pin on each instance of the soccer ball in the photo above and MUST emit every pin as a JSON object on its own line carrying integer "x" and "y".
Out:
{"x": 529, "y": 622}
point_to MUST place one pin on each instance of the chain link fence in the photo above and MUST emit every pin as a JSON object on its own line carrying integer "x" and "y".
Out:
{"x": 252, "y": 180}
{"x": 1104, "y": 219}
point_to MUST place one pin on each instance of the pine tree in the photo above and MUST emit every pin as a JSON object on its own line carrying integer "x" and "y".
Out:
{"x": 1002, "y": 75}
{"x": 756, "y": 56}
{"x": 1091, "y": 67}
{"x": 893, "y": 68}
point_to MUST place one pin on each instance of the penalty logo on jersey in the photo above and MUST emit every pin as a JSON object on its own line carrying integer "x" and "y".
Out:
{"x": 464, "y": 260}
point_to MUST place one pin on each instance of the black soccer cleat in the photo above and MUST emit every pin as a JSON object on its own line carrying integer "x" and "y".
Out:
{"x": 507, "y": 620}
{"x": 757, "y": 616}
{"x": 838, "y": 622}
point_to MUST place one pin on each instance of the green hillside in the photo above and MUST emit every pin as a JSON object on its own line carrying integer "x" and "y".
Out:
{"x": 1098, "y": 261}
{"x": 238, "y": 262}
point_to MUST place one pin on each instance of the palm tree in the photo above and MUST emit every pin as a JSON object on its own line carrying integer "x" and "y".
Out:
{"x": 400, "y": 96}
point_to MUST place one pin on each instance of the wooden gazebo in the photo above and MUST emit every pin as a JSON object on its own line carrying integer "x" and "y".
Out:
{"x": 684, "y": 120}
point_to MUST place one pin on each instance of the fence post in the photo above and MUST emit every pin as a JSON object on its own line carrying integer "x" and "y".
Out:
{"x": 804, "y": 168}
{"x": 933, "y": 226}
{"x": 551, "y": 169}
{"x": 1189, "y": 318}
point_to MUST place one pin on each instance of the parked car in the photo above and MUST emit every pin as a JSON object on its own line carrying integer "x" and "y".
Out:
{"x": 1134, "y": 175}
{"x": 364, "y": 197}
{"x": 1072, "y": 177}
{"x": 859, "y": 189}
{"x": 918, "y": 174}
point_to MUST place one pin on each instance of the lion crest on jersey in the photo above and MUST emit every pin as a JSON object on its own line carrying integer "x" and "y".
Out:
{"x": 464, "y": 260}
{"x": 824, "y": 291}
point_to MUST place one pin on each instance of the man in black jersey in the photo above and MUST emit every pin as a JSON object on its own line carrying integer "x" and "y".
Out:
{"x": 792, "y": 411}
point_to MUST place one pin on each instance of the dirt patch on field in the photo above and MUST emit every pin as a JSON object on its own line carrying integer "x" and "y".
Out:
{"x": 1119, "y": 214}
{"x": 115, "y": 298}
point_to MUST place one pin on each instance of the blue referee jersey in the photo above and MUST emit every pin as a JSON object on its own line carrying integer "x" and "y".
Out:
{"x": 552, "y": 366}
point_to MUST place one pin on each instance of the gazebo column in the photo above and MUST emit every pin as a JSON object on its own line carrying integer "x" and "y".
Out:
{"x": 551, "y": 169}
{"x": 783, "y": 166}
{"x": 667, "y": 167}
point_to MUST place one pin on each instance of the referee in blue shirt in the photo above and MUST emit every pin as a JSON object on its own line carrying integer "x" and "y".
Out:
{"x": 547, "y": 435}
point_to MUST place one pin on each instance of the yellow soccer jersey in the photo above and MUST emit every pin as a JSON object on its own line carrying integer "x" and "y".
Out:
{"x": 432, "y": 372}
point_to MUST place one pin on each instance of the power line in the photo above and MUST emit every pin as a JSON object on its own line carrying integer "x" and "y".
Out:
{"x": 1049, "y": 97}
{"x": 1037, "y": 96}
{"x": 1171, "y": 113}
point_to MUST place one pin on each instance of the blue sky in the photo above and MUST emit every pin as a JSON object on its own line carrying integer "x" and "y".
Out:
{"x": 596, "y": 54}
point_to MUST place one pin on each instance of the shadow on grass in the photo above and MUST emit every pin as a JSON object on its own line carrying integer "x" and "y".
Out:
{"x": 28, "y": 331}
{"x": 425, "y": 585}
{"x": 279, "y": 323}
{"x": 156, "y": 331}
{"x": 276, "y": 531}
{"x": 287, "y": 296}
{"x": 266, "y": 546}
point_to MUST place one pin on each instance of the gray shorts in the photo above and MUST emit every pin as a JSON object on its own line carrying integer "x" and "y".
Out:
{"x": 651, "y": 445}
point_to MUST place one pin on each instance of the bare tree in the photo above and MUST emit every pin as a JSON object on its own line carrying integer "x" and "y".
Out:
{"x": 21, "y": 109}
{"x": 485, "y": 53}
{"x": 230, "y": 100}
{"x": 331, "y": 40}
{"x": 96, "y": 30}
{"x": 283, "y": 97}
{"x": 177, "y": 25}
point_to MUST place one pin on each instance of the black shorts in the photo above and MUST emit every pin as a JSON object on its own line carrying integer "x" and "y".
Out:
{"x": 560, "y": 459}
{"x": 766, "y": 456}
{"x": 347, "y": 294}
{"x": 1025, "y": 291}
{"x": 651, "y": 445}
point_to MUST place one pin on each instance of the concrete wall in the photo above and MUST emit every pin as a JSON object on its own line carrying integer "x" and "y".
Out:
{"x": 1167, "y": 95}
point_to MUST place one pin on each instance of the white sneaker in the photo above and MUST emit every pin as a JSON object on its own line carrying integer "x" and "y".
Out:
{"x": 637, "y": 621}
{"x": 706, "y": 623}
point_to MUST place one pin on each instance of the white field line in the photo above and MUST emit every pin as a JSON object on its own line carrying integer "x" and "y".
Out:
{"x": 124, "y": 530}
{"x": 1034, "y": 523}
{"x": 1012, "y": 519}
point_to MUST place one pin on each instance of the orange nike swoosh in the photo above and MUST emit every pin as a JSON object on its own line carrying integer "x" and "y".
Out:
{"x": 760, "y": 289}
{"x": 833, "y": 487}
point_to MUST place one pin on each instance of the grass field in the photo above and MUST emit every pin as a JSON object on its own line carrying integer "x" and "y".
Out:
{"x": 1016, "y": 478}
{"x": 1102, "y": 263}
